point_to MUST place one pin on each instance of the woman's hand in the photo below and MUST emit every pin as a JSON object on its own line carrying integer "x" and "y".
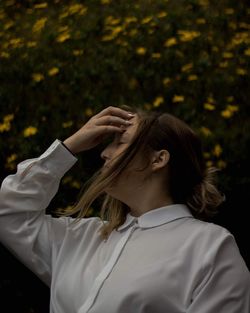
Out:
{"x": 108, "y": 121}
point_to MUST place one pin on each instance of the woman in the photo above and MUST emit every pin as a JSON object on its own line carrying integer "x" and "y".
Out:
{"x": 152, "y": 250}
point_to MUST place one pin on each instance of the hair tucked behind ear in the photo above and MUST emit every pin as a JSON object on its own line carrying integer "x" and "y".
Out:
{"x": 205, "y": 197}
{"x": 190, "y": 181}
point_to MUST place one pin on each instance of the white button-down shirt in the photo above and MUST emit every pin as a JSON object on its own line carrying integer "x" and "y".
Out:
{"x": 164, "y": 261}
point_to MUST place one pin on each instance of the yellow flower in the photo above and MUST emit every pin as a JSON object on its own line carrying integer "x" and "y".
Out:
{"x": 31, "y": 44}
{"x": 241, "y": 37}
{"x": 4, "y": 127}
{"x": 187, "y": 67}
{"x": 116, "y": 30}
{"x": 107, "y": 37}
{"x": 122, "y": 42}
{"x": 166, "y": 81}
{"x": 112, "y": 21}
{"x": 77, "y": 8}
{"x": 16, "y": 42}
{"x": 63, "y": 15}
{"x": 226, "y": 113}
{"x": 63, "y": 37}
{"x": 53, "y": 71}
{"x": 66, "y": 180}
{"x": 230, "y": 99}
{"x": 228, "y": 55}
{"x": 63, "y": 29}
{"x": 4, "y": 55}
{"x": 39, "y": 24}
{"x": 229, "y": 11}
{"x": 130, "y": 19}
{"x": 206, "y": 131}
{"x": 229, "y": 111}
{"x": 8, "y": 118}
{"x": 217, "y": 150}
{"x": 170, "y": 42}
{"x": 209, "y": 163}
{"x": 146, "y": 19}
{"x": 223, "y": 64}
{"x": 192, "y": 77}
{"x": 158, "y": 101}
{"x": 8, "y": 25}
{"x": 37, "y": 77}
{"x": 10, "y": 162}
{"x": 221, "y": 164}
{"x": 178, "y": 98}
{"x": 244, "y": 25}
{"x": 29, "y": 131}
{"x": 141, "y": 50}
{"x": 11, "y": 158}
{"x": 156, "y": 55}
{"x": 241, "y": 71}
{"x": 209, "y": 106}
{"x": 77, "y": 52}
{"x": 75, "y": 184}
{"x": 42, "y": 5}
{"x": 67, "y": 124}
{"x": 201, "y": 21}
{"x": 162, "y": 14}
{"x": 210, "y": 99}
{"x": 206, "y": 155}
{"x": 232, "y": 108}
{"x": 187, "y": 35}
{"x": 89, "y": 112}
{"x": 133, "y": 32}
{"x": 247, "y": 52}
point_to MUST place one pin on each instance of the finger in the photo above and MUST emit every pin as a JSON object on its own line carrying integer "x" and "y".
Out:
{"x": 112, "y": 120}
{"x": 111, "y": 130}
{"x": 116, "y": 112}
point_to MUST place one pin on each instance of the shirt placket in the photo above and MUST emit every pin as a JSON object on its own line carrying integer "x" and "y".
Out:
{"x": 100, "y": 279}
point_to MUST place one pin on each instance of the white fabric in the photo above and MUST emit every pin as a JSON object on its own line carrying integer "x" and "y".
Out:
{"x": 164, "y": 261}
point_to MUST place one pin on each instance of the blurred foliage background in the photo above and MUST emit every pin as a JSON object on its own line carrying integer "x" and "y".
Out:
{"x": 61, "y": 62}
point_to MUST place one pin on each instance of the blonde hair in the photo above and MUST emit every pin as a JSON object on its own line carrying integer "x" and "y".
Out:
{"x": 190, "y": 182}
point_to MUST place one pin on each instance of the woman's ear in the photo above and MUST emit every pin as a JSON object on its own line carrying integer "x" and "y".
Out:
{"x": 160, "y": 159}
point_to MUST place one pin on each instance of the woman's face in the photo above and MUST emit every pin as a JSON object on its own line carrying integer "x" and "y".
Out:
{"x": 128, "y": 181}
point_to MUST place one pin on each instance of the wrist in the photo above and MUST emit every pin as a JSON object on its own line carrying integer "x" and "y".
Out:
{"x": 68, "y": 146}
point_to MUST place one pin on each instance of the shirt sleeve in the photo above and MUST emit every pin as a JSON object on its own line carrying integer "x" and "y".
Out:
{"x": 225, "y": 286}
{"x": 25, "y": 229}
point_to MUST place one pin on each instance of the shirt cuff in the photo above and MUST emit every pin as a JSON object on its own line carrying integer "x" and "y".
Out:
{"x": 67, "y": 148}
{"x": 63, "y": 160}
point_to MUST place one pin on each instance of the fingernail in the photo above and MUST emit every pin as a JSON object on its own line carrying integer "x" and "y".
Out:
{"x": 128, "y": 122}
{"x": 131, "y": 114}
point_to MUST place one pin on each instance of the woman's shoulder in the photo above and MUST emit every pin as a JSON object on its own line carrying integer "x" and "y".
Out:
{"x": 90, "y": 224}
{"x": 208, "y": 233}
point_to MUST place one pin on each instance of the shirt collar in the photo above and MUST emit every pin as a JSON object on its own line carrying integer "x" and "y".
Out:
{"x": 157, "y": 217}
